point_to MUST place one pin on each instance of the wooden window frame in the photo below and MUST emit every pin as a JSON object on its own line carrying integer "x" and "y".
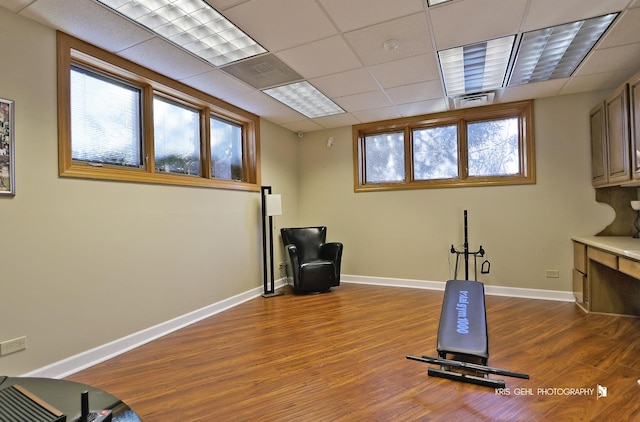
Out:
{"x": 523, "y": 110}
{"x": 71, "y": 50}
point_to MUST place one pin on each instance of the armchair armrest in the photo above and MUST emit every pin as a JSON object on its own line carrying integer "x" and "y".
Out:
{"x": 293, "y": 262}
{"x": 332, "y": 251}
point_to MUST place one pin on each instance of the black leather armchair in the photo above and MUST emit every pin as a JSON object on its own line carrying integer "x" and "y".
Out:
{"x": 313, "y": 266}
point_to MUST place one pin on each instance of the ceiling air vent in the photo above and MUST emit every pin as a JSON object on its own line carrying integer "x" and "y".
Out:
{"x": 262, "y": 71}
{"x": 472, "y": 100}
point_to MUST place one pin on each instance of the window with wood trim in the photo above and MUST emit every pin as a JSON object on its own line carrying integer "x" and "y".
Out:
{"x": 120, "y": 121}
{"x": 482, "y": 146}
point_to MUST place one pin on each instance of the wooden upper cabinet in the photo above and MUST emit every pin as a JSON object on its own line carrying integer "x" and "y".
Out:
{"x": 599, "y": 167}
{"x": 617, "y": 135}
{"x": 634, "y": 118}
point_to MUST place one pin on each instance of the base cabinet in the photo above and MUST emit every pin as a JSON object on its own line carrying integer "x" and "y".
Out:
{"x": 605, "y": 282}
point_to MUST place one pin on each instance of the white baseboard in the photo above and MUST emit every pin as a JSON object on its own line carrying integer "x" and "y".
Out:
{"x": 556, "y": 295}
{"x": 76, "y": 363}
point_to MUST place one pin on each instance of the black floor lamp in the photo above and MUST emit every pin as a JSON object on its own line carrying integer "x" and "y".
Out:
{"x": 271, "y": 205}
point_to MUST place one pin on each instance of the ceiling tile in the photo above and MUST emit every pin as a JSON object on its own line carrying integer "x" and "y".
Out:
{"x": 611, "y": 59}
{"x": 422, "y": 107}
{"x": 596, "y": 81}
{"x": 264, "y": 106}
{"x": 88, "y": 21}
{"x": 353, "y": 14}
{"x": 533, "y": 90}
{"x": 281, "y": 24}
{"x": 337, "y": 120}
{"x": 411, "y": 33}
{"x": 164, "y": 58}
{"x": 377, "y": 114}
{"x": 464, "y": 22}
{"x": 364, "y": 101}
{"x": 566, "y": 11}
{"x": 625, "y": 30}
{"x": 320, "y": 58}
{"x": 302, "y": 126}
{"x": 345, "y": 83}
{"x": 218, "y": 84}
{"x": 415, "y": 92}
{"x": 406, "y": 71}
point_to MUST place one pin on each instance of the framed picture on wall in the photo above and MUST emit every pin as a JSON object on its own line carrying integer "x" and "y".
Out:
{"x": 7, "y": 166}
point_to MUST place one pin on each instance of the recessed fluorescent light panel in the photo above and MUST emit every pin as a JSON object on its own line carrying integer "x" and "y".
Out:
{"x": 475, "y": 67}
{"x": 193, "y": 25}
{"x": 304, "y": 98}
{"x": 556, "y": 52}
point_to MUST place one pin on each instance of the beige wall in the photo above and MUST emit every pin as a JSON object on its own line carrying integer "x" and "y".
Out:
{"x": 407, "y": 234}
{"x": 280, "y": 149}
{"x": 86, "y": 262}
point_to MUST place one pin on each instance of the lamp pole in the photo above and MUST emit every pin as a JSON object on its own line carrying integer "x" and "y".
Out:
{"x": 267, "y": 218}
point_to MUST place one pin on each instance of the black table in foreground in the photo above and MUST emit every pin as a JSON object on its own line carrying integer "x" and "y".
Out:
{"x": 66, "y": 397}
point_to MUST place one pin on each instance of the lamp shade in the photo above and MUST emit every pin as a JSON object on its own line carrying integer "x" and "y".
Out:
{"x": 273, "y": 204}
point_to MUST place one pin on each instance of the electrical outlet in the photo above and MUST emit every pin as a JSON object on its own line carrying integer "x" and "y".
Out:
{"x": 12, "y": 346}
{"x": 552, "y": 273}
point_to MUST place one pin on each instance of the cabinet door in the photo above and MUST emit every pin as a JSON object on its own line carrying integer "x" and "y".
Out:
{"x": 580, "y": 288}
{"x": 634, "y": 117}
{"x": 580, "y": 257}
{"x": 599, "y": 169}
{"x": 617, "y": 135}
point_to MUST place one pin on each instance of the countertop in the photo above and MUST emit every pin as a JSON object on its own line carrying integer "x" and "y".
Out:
{"x": 619, "y": 245}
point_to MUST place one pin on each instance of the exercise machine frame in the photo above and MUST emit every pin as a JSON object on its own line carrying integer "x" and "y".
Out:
{"x": 466, "y": 253}
{"x": 481, "y": 376}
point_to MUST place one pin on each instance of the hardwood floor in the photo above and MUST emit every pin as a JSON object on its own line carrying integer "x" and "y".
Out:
{"x": 341, "y": 357}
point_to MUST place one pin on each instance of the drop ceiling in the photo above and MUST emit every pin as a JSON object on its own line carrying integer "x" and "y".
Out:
{"x": 342, "y": 48}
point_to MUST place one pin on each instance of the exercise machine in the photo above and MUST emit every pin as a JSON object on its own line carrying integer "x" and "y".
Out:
{"x": 462, "y": 331}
